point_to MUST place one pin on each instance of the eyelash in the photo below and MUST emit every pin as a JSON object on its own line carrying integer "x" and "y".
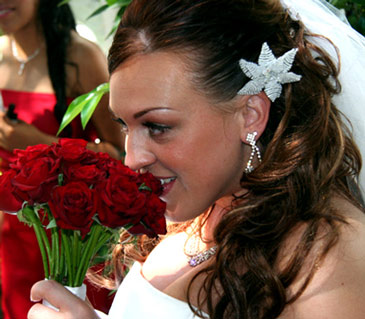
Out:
{"x": 122, "y": 124}
{"x": 152, "y": 128}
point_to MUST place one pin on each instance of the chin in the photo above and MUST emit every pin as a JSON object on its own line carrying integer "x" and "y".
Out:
{"x": 176, "y": 216}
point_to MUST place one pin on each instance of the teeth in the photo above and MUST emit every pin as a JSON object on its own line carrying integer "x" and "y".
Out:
{"x": 166, "y": 180}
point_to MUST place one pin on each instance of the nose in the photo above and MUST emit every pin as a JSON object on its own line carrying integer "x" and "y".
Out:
{"x": 138, "y": 156}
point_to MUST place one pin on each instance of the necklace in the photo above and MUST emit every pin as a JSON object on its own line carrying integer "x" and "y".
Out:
{"x": 22, "y": 62}
{"x": 193, "y": 252}
{"x": 199, "y": 258}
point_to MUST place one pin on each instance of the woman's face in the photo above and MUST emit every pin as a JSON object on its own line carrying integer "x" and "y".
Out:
{"x": 176, "y": 134}
{"x": 16, "y": 15}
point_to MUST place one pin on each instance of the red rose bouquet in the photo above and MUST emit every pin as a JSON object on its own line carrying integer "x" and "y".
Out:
{"x": 77, "y": 200}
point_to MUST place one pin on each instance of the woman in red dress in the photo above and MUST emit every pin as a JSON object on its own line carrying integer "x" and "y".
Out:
{"x": 44, "y": 65}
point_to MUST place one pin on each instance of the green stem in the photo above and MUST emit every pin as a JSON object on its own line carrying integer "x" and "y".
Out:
{"x": 62, "y": 261}
{"x": 102, "y": 241}
{"x": 41, "y": 237}
{"x": 87, "y": 254}
{"x": 75, "y": 250}
{"x": 55, "y": 249}
{"x": 66, "y": 252}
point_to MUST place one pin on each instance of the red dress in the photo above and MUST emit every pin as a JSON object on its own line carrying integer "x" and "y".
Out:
{"x": 21, "y": 264}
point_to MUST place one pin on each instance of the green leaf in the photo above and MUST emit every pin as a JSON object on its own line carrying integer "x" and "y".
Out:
{"x": 111, "y": 2}
{"x": 60, "y": 179}
{"x": 74, "y": 109}
{"x": 144, "y": 187}
{"x": 63, "y": 2}
{"x": 114, "y": 28}
{"x": 338, "y": 3}
{"x": 77, "y": 105}
{"x": 362, "y": 2}
{"x": 91, "y": 105}
{"x": 22, "y": 217}
{"x": 52, "y": 224}
{"x": 122, "y": 9}
{"x": 98, "y": 11}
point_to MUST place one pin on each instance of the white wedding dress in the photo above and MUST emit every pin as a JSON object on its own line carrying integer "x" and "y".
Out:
{"x": 136, "y": 298}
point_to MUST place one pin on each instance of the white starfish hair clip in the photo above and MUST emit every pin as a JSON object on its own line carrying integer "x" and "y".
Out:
{"x": 269, "y": 74}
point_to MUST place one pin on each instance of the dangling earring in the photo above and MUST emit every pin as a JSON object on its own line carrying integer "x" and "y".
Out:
{"x": 254, "y": 150}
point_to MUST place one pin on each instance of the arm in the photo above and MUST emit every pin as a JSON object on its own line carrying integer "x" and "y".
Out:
{"x": 20, "y": 135}
{"x": 70, "y": 306}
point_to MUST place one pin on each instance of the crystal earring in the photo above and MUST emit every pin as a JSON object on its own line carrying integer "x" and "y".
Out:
{"x": 254, "y": 150}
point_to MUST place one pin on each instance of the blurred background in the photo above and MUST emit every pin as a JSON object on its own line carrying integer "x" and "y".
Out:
{"x": 97, "y": 27}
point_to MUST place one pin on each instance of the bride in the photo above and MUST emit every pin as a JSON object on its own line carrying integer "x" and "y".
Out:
{"x": 236, "y": 107}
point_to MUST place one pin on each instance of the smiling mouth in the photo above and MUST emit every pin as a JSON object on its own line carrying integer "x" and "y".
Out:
{"x": 5, "y": 11}
{"x": 167, "y": 184}
{"x": 165, "y": 181}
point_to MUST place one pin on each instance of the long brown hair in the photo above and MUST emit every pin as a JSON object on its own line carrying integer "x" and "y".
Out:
{"x": 308, "y": 154}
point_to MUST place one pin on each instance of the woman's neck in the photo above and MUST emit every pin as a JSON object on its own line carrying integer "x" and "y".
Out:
{"x": 27, "y": 39}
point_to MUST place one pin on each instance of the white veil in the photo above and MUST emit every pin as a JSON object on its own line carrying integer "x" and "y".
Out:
{"x": 319, "y": 17}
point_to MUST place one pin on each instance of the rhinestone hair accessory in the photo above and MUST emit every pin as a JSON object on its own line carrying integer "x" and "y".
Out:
{"x": 269, "y": 74}
{"x": 254, "y": 150}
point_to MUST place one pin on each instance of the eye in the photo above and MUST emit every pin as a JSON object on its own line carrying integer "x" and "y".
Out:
{"x": 124, "y": 127}
{"x": 156, "y": 129}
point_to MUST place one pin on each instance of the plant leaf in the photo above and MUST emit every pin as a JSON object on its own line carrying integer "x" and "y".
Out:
{"x": 89, "y": 108}
{"x": 63, "y": 2}
{"x": 98, "y": 11}
{"x": 77, "y": 105}
{"x": 52, "y": 224}
{"x": 362, "y": 2}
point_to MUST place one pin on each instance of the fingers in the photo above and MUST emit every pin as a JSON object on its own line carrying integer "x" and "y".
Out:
{"x": 38, "y": 311}
{"x": 70, "y": 306}
{"x": 47, "y": 289}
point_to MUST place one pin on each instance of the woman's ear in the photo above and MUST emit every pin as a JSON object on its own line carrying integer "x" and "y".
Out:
{"x": 254, "y": 113}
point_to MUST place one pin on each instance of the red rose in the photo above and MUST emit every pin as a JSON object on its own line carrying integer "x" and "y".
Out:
{"x": 154, "y": 221}
{"x": 29, "y": 154}
{"x": 90, "y": 174}
{"x": 121, "y": 202}
{"x": 7, "y": 200}
{"x": 151, "y": 182}
{"x": 73, "y": 206}
{"x": 101, "y": 160}
{"x": 71, "y": 149}
{"x": 120, "y": 191}
{"x": 117, "y": 167}
{"x": 35, "y": 180}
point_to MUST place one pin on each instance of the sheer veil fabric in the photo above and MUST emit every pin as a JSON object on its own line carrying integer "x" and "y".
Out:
{"x": 321, "y": 18}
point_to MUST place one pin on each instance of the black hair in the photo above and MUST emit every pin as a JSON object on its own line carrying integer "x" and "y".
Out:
{"x": 57, "y": 22}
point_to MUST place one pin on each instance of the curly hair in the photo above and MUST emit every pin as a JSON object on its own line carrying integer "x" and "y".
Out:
{"x": 309, "y": 154}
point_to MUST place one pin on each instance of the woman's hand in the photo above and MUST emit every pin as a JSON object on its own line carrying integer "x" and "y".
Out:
{"x": 19, "y": 135}
{"x": 70, "y": 306}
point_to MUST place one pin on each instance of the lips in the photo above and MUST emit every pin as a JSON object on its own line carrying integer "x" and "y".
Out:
{"x": 167, "y": 183}
{"x": 4, "y": 11}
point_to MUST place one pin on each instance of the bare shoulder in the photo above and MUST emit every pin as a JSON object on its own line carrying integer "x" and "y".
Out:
{"x": 82, "y": 48}
{"x": 337, "y": 288}
{"x": 91, "y": 64}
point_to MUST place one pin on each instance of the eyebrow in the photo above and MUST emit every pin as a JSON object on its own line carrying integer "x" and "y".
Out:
{"x": 141, "y": 113}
